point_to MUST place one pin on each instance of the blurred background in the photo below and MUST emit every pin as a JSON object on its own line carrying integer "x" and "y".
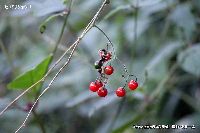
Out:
{"x": 158, "y": 40}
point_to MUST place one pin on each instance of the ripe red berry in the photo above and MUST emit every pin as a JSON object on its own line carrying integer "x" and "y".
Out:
{"x": 102, "y": 92}
{"x": 102, "y": 53}
{"x": 93, "y": 87}
{"x": 98, "y": 83}
{"x": 108, "y": 56}
{"x": 120, "y": 92}
{"x": 108, "y": 70}
{"x": 132, "y": 84}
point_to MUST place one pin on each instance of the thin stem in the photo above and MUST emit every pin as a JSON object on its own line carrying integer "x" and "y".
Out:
{"x": 40, "y": 122}
{"x": 63, "y": 28}
{"x": 110, "y": 42}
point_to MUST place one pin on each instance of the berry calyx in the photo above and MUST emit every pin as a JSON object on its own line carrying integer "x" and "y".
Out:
{"x": 108, "y": 70}
{"x": 120, "y": 92}
{"x": 98, "y": 83}
{"x": 102, "y": 92}
{"x": 93, "y": 87}
{"x": 132, "y": 84}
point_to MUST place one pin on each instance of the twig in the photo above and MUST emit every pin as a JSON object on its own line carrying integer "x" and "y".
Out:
{"x": 76, "y": 43}
{"x": 110, "y": 42}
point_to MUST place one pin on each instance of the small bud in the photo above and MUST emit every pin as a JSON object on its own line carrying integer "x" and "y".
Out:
{"x": 42, "y": 29}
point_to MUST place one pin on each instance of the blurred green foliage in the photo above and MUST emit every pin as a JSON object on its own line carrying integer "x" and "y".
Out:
{"x": 158, "y": 40}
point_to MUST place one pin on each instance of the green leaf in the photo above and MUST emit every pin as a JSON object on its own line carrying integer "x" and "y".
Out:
{"x": 189, "y": 60}
{"x": 43, "y": 26}
{"x": 32, "y": 76}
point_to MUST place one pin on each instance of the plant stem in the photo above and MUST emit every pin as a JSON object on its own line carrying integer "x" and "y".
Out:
{"x": 40, "y": 122}
{"x": 63, "y": 28}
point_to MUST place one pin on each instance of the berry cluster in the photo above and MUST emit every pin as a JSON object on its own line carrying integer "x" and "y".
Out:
{"x": 104, "y": 71}
{"x": 99, "y": 86}
{"x": 105, "y": 56}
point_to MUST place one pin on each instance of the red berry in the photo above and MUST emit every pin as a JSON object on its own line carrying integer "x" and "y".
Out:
{"x": 108, "y": 56}
{"x": 132, "y": 84}
{"x": 102, "y": 92}
{"x": 93, "y": 87}
{"x": 98, "y": 83}
{"x": 108, "y": 70}
{"x": 120, "y": 92}
{"x": 102, "y": 52}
